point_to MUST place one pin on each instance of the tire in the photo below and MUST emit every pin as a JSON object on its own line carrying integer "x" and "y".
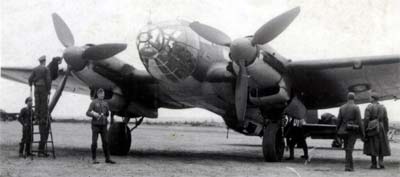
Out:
{"x": 273, "y": 144}
{"x": 119, "y": 139}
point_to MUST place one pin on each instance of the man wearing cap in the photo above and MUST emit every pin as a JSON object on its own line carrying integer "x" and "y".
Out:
{"x": 99, "y": 112}
{"x": 40, "y": 78}
{"x": 25, "y": 118}
{"x": 53, "y": 67}
{"x": 376, "y": 127}
{"x": 349, "y": 127}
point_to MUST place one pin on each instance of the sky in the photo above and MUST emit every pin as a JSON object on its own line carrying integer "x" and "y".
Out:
{"x": 323, "y": 29}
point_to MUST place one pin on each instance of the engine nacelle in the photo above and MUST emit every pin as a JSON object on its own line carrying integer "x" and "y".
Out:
{"x": 273, "y": 95}
{"x": 262, "y": 75}
{"x": 267, "y": 85}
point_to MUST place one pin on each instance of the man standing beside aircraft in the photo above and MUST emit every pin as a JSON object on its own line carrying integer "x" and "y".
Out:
{"x": 349, "y": 125}
{"x": 40, "y": 78}
{"x": 25, "y": 118}
{"x": 376, "y": 127}
{"x": 99, "y": 112}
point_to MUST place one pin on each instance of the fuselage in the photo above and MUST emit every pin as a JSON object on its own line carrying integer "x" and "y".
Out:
{"x": 180, "y": 60}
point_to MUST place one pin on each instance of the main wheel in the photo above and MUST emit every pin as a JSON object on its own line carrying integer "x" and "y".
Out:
{"x": 119, "y": 138}
{"x": 273, "y": 144}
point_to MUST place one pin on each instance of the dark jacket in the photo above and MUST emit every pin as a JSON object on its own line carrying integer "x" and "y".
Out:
{"x": 40, "y": 77}
{"x": 25, "y": 116}
{"x": 53, "y": 69}
{"x": 373, "y": 144}
{"x": 100, "y": 107}
{"x": 350, "y": 113}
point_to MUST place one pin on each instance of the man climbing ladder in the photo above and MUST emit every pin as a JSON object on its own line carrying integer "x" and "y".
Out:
{"x": 40, "y": 78}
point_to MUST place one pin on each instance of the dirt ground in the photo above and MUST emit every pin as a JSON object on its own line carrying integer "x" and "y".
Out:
{"x": 179, "y": 151}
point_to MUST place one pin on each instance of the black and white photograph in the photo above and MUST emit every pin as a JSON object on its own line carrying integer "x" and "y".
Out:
{"x": 177, "y": 88}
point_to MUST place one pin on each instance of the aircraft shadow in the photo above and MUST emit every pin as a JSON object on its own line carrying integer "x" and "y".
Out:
{"x": 177, "y": 155}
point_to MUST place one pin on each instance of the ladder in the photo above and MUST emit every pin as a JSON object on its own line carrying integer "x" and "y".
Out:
{"x": 36, "y": 135}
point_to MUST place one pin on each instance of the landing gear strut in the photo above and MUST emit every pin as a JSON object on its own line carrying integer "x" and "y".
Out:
{"x": 119, "y": 136}
{"x": 273, "y": 144}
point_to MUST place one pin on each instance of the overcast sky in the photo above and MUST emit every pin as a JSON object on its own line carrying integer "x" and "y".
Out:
{"x": 324, "y": 29}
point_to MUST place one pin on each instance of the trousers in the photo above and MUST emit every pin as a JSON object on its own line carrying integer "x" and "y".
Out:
{"x": 349, "y": 141}
{"x": 102, "y": 130}
{"x": 25, "y": 140}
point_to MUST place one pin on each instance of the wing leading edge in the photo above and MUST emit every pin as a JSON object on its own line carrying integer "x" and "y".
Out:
{"x": 324, "y": 83}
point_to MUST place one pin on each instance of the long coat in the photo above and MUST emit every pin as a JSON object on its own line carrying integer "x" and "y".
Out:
{"x": 377, "y": 145}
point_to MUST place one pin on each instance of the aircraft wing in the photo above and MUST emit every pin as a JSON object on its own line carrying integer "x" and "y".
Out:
{"x": 325, "y": 83}
{"x": 20, "y": 74}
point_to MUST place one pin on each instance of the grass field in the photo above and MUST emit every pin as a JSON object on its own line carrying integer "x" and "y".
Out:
{"x": 179, "y": 151}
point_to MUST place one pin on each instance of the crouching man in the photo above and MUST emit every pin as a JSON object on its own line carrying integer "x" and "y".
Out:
{"x": 99, "y": 112}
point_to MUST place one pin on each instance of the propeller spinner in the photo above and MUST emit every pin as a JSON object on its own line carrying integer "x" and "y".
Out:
{"x": 244, "y": 50}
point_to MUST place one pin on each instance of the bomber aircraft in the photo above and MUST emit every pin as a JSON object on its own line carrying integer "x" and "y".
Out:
{"x": 190, "y": 64}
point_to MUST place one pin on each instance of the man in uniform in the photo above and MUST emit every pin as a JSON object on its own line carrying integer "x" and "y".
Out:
{"x": 40, "y": 78}
{"x": 349, "y": 126}
{"x": 99, "y": 112}
{"x": 295, "y": 134}
{"x": 25, "y": 118}
{"x": 376, "y": 126}
{"x": 53, "y": 67}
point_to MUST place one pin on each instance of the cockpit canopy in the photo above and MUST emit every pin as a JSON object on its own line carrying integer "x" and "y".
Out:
{"x": 169, "y": 50}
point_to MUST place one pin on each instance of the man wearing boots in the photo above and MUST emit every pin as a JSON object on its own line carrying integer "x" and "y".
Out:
{"x": 376, "y": 128}
{"x": 25, "y": 118}
{"x": 99, "y": 112}
{"x": 295, "y": 134}
{"x": 349, "y": 127}
{"x": 40, "y": 78}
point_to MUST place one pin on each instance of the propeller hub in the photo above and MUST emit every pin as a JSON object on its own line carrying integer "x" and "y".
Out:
{"x": 242, "y": 49}
{"x": 73, "y": 57}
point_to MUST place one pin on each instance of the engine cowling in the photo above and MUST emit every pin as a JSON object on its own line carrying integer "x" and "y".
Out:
{"x": 266, "y": 83}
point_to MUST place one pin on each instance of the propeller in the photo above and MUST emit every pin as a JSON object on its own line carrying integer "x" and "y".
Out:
{"x": 243, "y": 51}
{"x": 59, "y": 91}
{"x": 103, "y": 51}
{"x": 63, "y": 32}
{"x": 211, "y": 34}
{"x": 77, "y": 57}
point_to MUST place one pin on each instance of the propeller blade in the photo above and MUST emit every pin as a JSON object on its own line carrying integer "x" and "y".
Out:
{"x": 210, "y": 33}
{"x": 103, "y": 51}
{"x": 274, "y": 27}
{"x": 59, "y": 91}
{"x": 63, "y": 32}
{"x": 241, "y": 90}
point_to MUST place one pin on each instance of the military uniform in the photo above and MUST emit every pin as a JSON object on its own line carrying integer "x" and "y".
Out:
{"x": 25, "y": 118}
{"x": 40, "y": 78}
{"x": 53, "y": 67}
{"x": 378, "y": 144}
{"x": 349, "y": 113}
{"x": 99, "y": 125}
{"x": 294, "y": 133}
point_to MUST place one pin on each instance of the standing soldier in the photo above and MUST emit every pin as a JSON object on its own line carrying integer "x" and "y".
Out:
{"x": 40, "y": 78}
{"x": 376, "y": 127}
{"x": 25, "y": 118}
{"x": 99, "y": 112}
{"x": 349, "y": 126}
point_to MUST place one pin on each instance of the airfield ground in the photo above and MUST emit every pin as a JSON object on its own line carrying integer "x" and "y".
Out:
{"x": 180, "y": 151}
